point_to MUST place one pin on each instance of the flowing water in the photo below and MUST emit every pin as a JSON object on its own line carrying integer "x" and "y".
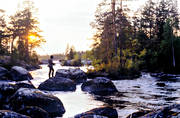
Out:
{"x": 143, "y": 93}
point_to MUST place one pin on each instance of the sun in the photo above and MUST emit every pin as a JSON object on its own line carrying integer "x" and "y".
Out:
{"x": 32, "y": 38}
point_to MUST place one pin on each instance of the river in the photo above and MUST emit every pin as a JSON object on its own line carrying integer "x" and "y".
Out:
{"x": 142, "y": 93}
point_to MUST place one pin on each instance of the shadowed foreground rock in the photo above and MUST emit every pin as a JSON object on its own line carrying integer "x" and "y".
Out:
{"x": 33, "y": 97}
{"x": 34, "y": 112}
{"x": 11, "y": 114}
{"x": 99, "y": 86}
{"x": 138, "y": 114}
{"x": 105, "y": 112}
{"x": 77, "y": 75}
{"x": 172, "y": 111}
{"x": 24, "y": 84}
{"x": 20, "y": 74}
{"x": 6, "y": 91}
{"x": 4, "y": 74}
{"x": 58, "y": 84}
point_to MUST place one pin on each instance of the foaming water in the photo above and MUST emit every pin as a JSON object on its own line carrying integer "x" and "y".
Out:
{"x": 143, "y": 93}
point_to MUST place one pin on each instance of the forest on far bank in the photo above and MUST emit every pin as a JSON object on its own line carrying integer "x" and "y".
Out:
{"x": 123, "y": 45}
{"x": 148, "y": 41}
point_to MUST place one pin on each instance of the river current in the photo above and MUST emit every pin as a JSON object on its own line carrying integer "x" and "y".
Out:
{"x": 144, "y": 93}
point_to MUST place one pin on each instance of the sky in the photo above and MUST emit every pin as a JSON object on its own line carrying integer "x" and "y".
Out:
{"x": 63, "y": 22}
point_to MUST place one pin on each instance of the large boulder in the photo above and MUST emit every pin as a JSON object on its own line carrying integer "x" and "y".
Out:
{"x": 20, "y": 74}
{"x": 172, "y": 111}
{"x": 11, "y": 114}
{"x": 4, "y": 74}
{"x": 138, "y": 114}
{"x": 99, "y": 86}
{"x": 33, "y": 97}
{"x": 58, "y": 84}
{"x": 105, "y": 112}
{"x": 76, "y": 74}
{"x": 6, "y": 91}
{"x": 34, "y": 112}
{"x": 24, "y": 84}
{"x": 63, "y": 73}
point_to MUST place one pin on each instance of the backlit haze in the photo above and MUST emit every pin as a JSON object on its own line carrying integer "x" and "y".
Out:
{"x": 63, "y": 22}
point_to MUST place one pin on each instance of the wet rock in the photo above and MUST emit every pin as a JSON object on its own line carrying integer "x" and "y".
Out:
{"x": 92, "y": 116}
{"x": 63, "y": 73}
{"x": 34, "y": 112}
{"x": 33, "y": 67}
{"x": 163, "y": 75}
{"x": 33, "y": 97}
{"x": 172, "y": 111}
{"x": 6, "y": 91}
{"x": 77, "y": 75}
{"x": 161, "y": 84}
{"x": 138, "y": 114}
{"x": 58, "y": 84}
{"x": 24, "y": 84}
{"x": 99, "y": 86}
{"x": 11, "y": 114}
{"x": 4, "y": 74}
{"x": 105, "y": 112}
{"x": 20, "y": 74}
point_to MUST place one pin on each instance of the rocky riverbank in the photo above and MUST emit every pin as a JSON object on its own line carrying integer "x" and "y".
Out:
{"x": 172, "y": 111}
{"x": 6, "y": 61}
{"x": 20, "y": 99}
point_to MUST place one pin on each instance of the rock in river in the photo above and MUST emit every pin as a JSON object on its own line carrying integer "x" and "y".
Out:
{"x": 33, "y": 97}
{"x": 172, "y": 111}
{"x": 76, "y": 75}
{"x": 4, "y": 74}
{"x": 11, "y": 114}
{"x": 138, "y": 114}
{"x": 24, "y": 84}
{"x": 20, "y": 74}
{"x": 58, "y": 84}
{"x": 105, "y": 112}
{"x": 34, "y": 112}
{"x": 6, "y": 91}
{"x": 99, "y": 86}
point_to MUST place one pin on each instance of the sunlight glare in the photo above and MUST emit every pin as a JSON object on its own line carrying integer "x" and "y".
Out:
{"x": 32, "y": 38}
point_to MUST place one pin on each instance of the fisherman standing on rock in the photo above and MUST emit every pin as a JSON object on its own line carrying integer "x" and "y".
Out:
{"x": 50, "y": 65}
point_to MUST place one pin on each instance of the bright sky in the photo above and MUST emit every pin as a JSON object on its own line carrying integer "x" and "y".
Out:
{"x": 63, "y": 22}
